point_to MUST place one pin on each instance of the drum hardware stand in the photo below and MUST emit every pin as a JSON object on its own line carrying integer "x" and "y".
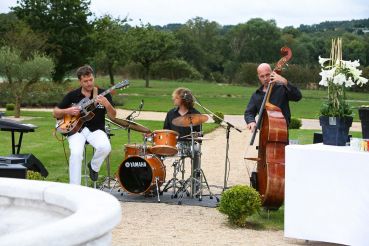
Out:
{"x": 228, "y": 129}
{"x": 115, "y": 183}
{"x": 192, "y": 181}
{"x": 157, "y": 188}
{"x": 178, "y": 166}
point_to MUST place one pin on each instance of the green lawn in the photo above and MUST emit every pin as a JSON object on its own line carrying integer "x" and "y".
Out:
{"x": 229, "y": 99}
{"x": 49, "y": 150}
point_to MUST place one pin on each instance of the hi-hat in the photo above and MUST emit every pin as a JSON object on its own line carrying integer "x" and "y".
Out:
{"x": 188, "y": 119}
{"x": 194, "y": 134}
{"x": 129, "y": 124}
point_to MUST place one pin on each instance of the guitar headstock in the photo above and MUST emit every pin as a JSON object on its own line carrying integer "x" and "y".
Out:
{"x": 123, "y": 84}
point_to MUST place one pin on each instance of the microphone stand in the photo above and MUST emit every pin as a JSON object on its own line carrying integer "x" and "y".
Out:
{"x": 228, "y": 130}
{"x": 131, "y": 117}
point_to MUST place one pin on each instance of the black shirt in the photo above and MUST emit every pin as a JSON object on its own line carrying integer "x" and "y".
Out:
{"x": 183, "y": 131}
{"x": 98, "y": 121}
{"x": 280, "y": 96}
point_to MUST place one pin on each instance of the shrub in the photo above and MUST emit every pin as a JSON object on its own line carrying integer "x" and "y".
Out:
{"x": 217, "y": 77}
{"x": 41, "y": 94}
{"x": 220, "y": 115}
{"x": 295, "y": 123}
{"x": 246, "y": 74}
{"x": 34, "y": 175}
{"x": 230, "y": 70}
{"x": 175, "y": 69}
{"x": 132, "y": 70}
{"x": 10, "y": 106}
{"x": 302, "y": 75}
{"x": 240, "y": 202}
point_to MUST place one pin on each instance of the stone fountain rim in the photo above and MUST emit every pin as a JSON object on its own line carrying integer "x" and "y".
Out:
{"x": 94, "y": 213}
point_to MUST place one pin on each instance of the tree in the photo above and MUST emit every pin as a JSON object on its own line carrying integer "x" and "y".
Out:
{"x": 67, "y": 29}
{"x": 20, "y": 73}
{"x": 111, "y": 44}
{"x": 201, "y": 45}
{"x": 21, "y": 37}
{"x": 255, "y": 41}
{"x": 149, "y": 45}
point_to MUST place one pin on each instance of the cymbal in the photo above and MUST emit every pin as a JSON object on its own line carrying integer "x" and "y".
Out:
{"x": 186, "y": 120}
{"x": 196, "y": 139}
{"x": 129, "y": 124}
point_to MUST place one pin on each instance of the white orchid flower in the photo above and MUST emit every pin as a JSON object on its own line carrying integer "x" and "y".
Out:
{"x": 361, "y": 81}
{"x": 324, "y": 81}
{"x": 349, "y": 82}
{"x": 323, "y": 60}
{"x": 339, "y": 79}
{"x": 355, "y": 72}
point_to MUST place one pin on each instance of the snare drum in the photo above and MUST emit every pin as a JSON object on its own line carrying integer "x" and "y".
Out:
{"x": 164, "y": 142}
{"x": 138, "y": 174}
{"x": 136, "y": 149}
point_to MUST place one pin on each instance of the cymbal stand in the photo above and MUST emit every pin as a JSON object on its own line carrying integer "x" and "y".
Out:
{"x": 228, "y": 129}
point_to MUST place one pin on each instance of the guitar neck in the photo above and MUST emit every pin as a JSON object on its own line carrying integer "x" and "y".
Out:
{"x": 93, "y": 100}
{"x": 89, "y": 102}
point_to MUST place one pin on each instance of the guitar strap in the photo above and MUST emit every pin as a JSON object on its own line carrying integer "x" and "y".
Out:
{"x": 94, "y": 92}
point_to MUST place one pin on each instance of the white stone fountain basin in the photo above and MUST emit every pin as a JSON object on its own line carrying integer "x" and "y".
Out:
{"x": 48, "y": 213}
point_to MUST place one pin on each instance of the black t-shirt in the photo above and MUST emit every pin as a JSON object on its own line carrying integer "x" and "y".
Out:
{"x": 98, "y": 121}
{"x": 183, "y": 131}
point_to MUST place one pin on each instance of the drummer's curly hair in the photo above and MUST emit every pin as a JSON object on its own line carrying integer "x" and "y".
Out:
{"x": 186, "y": 96}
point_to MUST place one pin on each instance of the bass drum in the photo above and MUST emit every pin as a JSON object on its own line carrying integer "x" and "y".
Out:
{"x": 138, "y": 174}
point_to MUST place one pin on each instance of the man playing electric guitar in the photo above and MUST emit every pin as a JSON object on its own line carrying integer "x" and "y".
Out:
{"x": 92, "y": 131}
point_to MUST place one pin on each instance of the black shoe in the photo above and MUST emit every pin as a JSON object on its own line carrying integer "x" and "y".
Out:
{"x": 93, "y": 175}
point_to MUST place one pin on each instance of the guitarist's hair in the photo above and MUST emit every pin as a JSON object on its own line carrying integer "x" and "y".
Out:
{"x": 84, "y": 71}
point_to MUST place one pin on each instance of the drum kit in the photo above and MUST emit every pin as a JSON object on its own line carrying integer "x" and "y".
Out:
{"x": 142, "y": 172}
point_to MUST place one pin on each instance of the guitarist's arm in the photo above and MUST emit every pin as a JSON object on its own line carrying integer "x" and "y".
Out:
{"x": 59, "y": 112}
{"x": 112, "y": 113}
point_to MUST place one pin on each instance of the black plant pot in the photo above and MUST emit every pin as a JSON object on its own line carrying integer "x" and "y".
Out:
{"x": 364, "y": 117}
{"x": 335, "y": 130}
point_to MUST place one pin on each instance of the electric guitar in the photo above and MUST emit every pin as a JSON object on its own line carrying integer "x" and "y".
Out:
{"x": 70, "y": 124}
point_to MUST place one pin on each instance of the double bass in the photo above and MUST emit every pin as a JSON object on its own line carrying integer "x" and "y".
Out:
{"x": 268, "y": 179}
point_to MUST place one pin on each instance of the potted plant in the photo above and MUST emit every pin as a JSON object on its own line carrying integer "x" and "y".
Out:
{"x": 364, "y": 118}
{"x": 336, "y": 113}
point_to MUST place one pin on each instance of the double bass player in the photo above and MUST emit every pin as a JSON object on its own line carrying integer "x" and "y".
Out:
{"x": 271, "y": 102}
{"x": 283, "y": 92}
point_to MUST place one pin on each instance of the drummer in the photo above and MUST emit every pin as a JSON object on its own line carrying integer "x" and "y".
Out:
{"x": 184, "y": 104}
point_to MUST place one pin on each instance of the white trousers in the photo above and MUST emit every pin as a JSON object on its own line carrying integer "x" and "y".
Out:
{"x": 98, "y": 139}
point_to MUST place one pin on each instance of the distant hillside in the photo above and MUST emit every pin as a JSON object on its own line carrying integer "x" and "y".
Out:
{"x": 353, "y": 26}
{"x": 349, "y": 26}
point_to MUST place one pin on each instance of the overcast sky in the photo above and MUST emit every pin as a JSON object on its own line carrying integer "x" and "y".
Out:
{"x": 285, "y": 12}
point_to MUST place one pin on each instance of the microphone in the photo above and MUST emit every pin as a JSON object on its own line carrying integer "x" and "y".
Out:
{"x": 141, "y": 105}
{"x": 187, "y": 97}
{"x": 129, "y": 117}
